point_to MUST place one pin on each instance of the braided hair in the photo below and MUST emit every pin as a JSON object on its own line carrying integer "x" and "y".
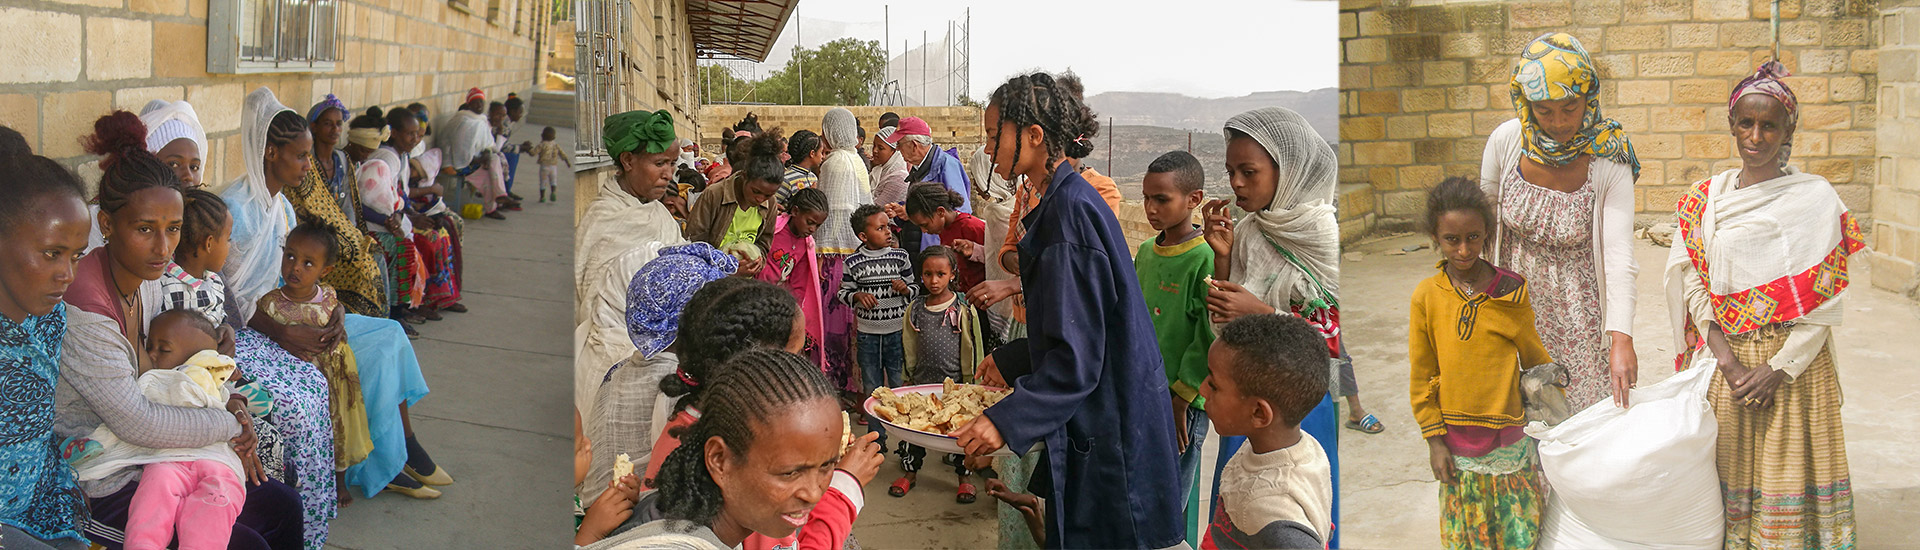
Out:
{"x": 127, "y": 167}
{"x": 802, "y": 144}
{"x": 1055, "y": 105}
{"x": 923, "y": 199}
{"x": 374, "y": 118}
{"x": 807, "y": 200}
{"x": 756, "y": 314}
{"x": 202, "y": 214}
{"x": 286, "y": 127}
{"x": 758, "y": 387}
{"x": 29, "y": 180}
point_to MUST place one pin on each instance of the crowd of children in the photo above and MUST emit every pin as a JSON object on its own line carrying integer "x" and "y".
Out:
{"x": 1109, "y": 349}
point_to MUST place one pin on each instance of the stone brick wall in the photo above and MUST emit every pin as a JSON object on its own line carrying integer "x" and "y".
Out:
{"x": 1896, "y": 190}
{"x": 1424, "y": 82}
{"x": 69, "y": 62}
{"x": 952, "y": 126}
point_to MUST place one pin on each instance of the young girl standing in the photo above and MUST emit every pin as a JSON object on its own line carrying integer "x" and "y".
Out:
{"x": 793, "y": 264}
{"x": 942, "y": 340}
{"x": 1470, "y": 323}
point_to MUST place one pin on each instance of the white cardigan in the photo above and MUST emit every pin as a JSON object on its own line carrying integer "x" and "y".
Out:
{"x": 1612, "y": 222}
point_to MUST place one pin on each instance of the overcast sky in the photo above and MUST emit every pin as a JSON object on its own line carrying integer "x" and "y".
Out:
{"x": 1203, "y": 48}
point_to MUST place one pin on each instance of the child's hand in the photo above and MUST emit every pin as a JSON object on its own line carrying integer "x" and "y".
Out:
{"x": 1218, "y": 225}
{"x": 613, "y": 508}
{"x": 964, "y": 247}
{"x": 988, "y": 374}
{"x": 900, "y": 287}
{"x": 1441, "y": 458}
{"x": 1228, "y": 300}
{"x": 1180, "y": 436}
{"x": 748, "y": 268}
{"x": 865, "y": 300}
{"x": 894, "y": 210}
{"x": 1031, "y": 508}
{"x": 863, "y": 458}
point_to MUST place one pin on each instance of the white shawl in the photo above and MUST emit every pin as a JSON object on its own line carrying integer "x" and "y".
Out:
{"x": 844, "y": 179}
{"x": 1753, "y": 236}
{"x": 1301, "y": 218}
{"x": 890, "y": 180}
{"x": 261, "y": 219}
{"x": 380, "y": 178}
{"x": 466, "y": 135}
{"x": 617, "y": 234}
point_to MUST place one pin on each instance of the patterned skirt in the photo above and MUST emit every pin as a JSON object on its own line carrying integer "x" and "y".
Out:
{"x": 1783, "y": 470}
{"x": 1495, "y": 501}
{"x": 402, "y": 269}
{"x": 839, "y": 326}
{"x": 306, "y": 430}
{"x": 437, "y": 259}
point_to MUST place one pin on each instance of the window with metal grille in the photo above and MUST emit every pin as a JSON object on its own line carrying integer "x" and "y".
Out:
{"x": 266, "y": 36}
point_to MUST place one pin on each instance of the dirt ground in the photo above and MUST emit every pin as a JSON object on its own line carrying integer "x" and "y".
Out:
{"x": 1389, "y": 499}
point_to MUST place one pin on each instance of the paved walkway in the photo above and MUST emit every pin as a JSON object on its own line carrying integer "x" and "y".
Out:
{"x": 498, "y": 418}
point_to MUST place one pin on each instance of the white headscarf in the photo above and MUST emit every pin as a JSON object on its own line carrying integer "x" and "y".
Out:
{"x": 1301, "y": 219}
{"x": 686, "y": 158}
{"x": 169, "y": 121}
{"x": 844, "y": 179}
{"x": 890, "y": 177}
{"x": 261, "y": 219}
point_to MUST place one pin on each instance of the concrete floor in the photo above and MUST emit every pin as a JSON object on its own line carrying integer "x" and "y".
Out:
{"x": 1391, "y": 500}
{"x": 499, "y": 416}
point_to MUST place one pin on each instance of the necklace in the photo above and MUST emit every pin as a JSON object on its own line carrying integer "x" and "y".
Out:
{"x": 1465, "y": 285}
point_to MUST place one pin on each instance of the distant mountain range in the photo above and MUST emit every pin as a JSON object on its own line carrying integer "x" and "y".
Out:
{"x": 1146, "y": 125}
{"x": 1321, "y": 108}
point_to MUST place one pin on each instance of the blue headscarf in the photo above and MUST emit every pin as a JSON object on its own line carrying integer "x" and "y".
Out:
{"x": 661, "y": 289}
{"x": 329, "y": 103}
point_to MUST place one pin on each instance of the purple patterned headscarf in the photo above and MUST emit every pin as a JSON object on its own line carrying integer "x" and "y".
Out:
{"x": 329, "y": 103}
{"x": 1769, "y": 79}
{"x": 661, "y": 289}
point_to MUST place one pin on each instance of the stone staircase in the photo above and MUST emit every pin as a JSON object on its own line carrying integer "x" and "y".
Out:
{"x": 545, "y": 108}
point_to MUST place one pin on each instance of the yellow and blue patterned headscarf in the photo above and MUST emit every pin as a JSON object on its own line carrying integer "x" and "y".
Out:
{"x": 1554, "y": 67}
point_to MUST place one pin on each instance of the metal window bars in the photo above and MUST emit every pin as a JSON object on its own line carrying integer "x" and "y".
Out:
{"x": 600, "y": 40}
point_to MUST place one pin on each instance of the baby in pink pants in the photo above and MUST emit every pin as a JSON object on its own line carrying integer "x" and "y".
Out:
{"x": 194, "y": 494}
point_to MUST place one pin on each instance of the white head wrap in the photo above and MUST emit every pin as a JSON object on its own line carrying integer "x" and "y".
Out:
{"x": 844, "y": 179}
{"x": 261, "y": 219}
{"x": 167, "y": 121}
{"x": 1301, "y": 218}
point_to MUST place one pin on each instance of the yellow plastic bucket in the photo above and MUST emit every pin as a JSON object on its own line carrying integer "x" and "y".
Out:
{"x": 472, "y": 211}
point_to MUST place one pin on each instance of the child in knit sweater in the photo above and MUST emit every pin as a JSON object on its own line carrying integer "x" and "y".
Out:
{"x": 1471, "y": 331}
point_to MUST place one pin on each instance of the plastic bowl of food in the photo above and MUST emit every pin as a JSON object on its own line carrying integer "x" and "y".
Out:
{"x": 932, "y": 440}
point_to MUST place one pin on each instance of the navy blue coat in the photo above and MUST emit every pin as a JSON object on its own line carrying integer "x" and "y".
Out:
{"x": 1097, "y": 395}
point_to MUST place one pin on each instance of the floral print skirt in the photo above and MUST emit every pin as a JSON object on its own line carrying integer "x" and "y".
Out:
{"x": 1495, "y": 500}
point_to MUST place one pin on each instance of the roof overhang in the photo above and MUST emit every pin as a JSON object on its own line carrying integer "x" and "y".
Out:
{"x": 743, "y": 29}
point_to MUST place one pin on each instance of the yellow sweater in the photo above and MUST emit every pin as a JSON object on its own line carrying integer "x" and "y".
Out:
{"x": 1464, "y": 352}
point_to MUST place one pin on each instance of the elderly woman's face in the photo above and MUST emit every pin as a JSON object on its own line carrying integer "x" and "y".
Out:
{"x": 1760, "y": 128}
{"x": 1559, "y": 118}
{"x": 647, "y": 175}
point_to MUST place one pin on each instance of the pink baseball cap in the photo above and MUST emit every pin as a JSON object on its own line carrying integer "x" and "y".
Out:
{"x": 910, "y": 126}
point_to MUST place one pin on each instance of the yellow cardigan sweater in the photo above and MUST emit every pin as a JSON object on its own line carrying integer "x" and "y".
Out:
{"x": 1464, "y": 352}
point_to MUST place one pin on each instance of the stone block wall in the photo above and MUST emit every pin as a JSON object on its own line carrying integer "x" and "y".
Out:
{"x": 69, "y": 62}
{"x": 1423, "y": 82}
{"x": 952, "y": 126}
{"x": 1895, "y": 227}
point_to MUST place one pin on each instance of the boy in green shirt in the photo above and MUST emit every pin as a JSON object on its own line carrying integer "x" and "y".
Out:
{"x": 1174, "y": 271}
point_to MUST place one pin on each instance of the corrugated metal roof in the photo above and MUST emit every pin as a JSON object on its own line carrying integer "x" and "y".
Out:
{"x": 737, "y": 28}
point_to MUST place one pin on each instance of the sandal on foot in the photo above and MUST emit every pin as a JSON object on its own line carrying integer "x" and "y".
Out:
{"x": 411, "y": 334}
{"x": 429, "y": 315}
{"x": 967, "y": 494}
{"x": 456, "y": 308}
{"x": 1367, "y": 425}
{"x": 901, "y": 486}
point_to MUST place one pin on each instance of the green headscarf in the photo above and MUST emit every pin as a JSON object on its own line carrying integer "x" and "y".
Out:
{"x": 638, "y": 131}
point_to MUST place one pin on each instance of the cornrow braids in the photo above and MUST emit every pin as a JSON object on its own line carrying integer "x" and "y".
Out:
{"x": 802, "y": 144}
{"x": 807, "y": 200}
{"x": 127, "y": 167}
{"x": 1054, "y": 104}
{"x": 30, "y": 180}
{"x": 923, "y": 199}
{"x": 756, "y": 314}
{"x": 202, "y": 215}
{"x": 756, "y": 388}
{"x": 286, "y": 127}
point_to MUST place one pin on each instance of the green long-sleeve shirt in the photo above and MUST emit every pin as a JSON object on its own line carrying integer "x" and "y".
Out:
{"x": 1173, "y": 279}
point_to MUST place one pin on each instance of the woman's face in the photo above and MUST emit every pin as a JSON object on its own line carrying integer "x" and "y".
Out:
{"x": 881, "y": 151}
{"x": 773, "y": 487}
{"x": 326, "y": 129}
{"x": 647, "y": 176}
{"x": 141, "y": 235}
{"x": 758, "y": 191}
{"x": 1252, "y": 173}
{"x": 1559, "y": 118}
{"x": 1759, "y": 124}
{"x": 39, "y": 254}
{"x": 286, "y": 164}
{"x": 406, "y": 136}
{"x": 183, "y": 156}
{"x": 1002, "y": 140}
